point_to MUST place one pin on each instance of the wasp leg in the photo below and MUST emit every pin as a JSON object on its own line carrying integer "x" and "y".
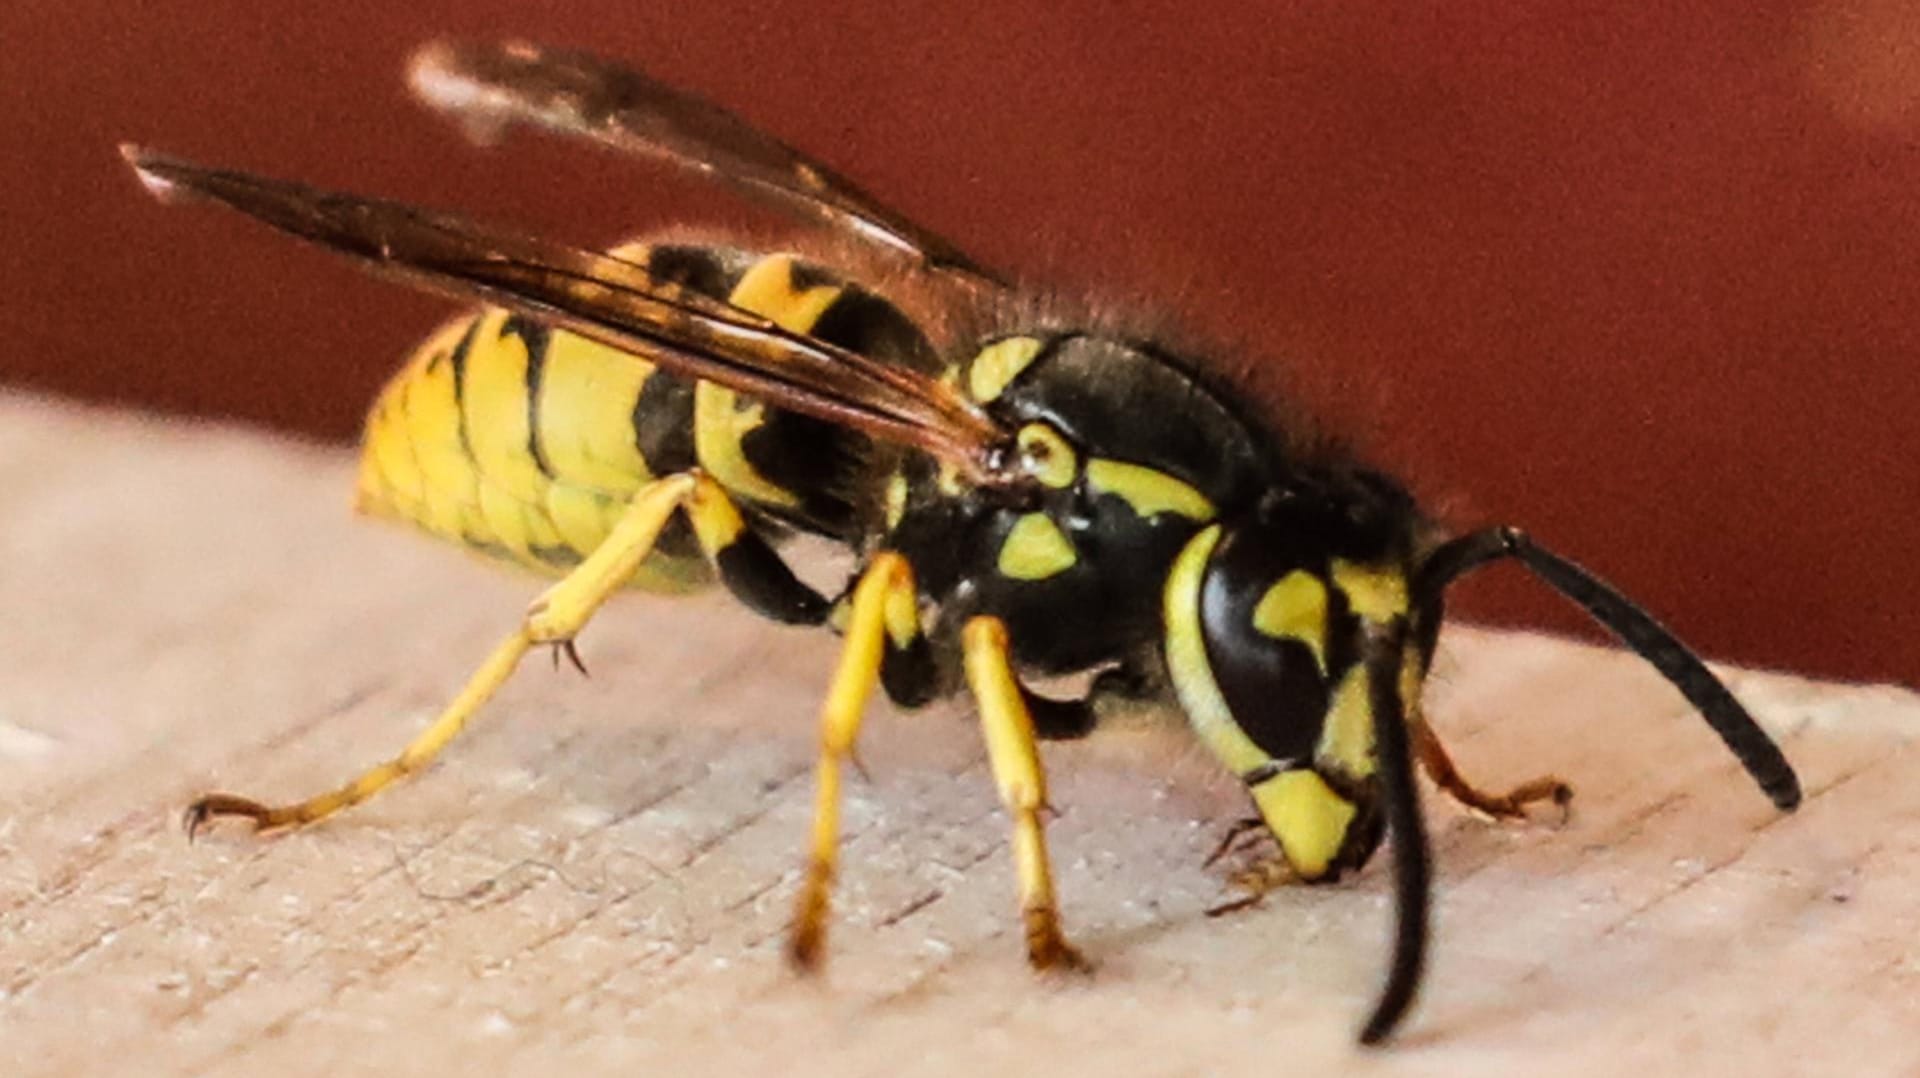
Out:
{"x": 1254, "y": 882}
{"x": 1009, "y": 732}
{"x": 884, "y": 614}
{"x": 748, "y": 567}
{"x": 1509, "y": 805}
{"x": 553, "y": 619}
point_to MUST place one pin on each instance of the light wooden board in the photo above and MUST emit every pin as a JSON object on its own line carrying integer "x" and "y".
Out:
{"x": 596, "y": 878}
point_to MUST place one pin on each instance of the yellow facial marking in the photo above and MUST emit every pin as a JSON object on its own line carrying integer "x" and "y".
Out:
{"x": 1347, "y": 737}
{"x": 1375, "y": 593}
{"x": 1192, "y": 674}
{"x": 1035, "y": 549}
{"x": 1147, "y": 490}
{"x": 998, "y": 364}
{"x": 1296, "y": 609}
{"x": 1308, "y": 818}
{"x": 1047, "y": 456}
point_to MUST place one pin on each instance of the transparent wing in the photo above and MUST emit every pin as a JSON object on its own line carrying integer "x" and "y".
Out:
{"x": 612, "y": 301}
{"x": 491, "y": 86}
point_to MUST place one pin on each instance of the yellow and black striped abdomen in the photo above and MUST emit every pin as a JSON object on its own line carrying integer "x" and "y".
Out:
{"x": 525, "y": 443}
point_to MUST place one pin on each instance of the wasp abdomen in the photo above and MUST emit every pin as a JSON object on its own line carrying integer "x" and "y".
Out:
{"x": 525, "y": 443}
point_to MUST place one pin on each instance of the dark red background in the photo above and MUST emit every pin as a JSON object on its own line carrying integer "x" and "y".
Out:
{"x": 1643, "y": 278}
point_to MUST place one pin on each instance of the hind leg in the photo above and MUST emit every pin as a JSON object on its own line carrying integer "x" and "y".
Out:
{"x": 745, "y": 564}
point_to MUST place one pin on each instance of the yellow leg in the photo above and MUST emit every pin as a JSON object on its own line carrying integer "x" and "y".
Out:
{"x": 554, "y": 618}
{"x": 1509, "y": 805}
{"x": 883, "y": 602}
{"x": 1023, "y": 785}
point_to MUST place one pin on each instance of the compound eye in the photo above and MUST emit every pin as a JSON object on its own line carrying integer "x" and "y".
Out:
{"x": 1253, "y": 687}
{"x": 1046, "y": 455}
{"x": 1264, "y": 619}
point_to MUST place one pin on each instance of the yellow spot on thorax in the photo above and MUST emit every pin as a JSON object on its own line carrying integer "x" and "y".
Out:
{"x": 1295, "y": 608}
{"x": 1047, "y": 456}
{"x": 1035, "y": 549}
{"x": 999, "y": 363}
{"x": 1147, "y": 491}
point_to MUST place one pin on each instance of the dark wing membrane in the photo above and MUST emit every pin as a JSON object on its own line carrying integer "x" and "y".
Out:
{"x": 612, "y": 301}
{"x": 493, "y": 85}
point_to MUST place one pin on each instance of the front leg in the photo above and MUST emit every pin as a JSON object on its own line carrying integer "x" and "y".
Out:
{"x": 1508, "y": 804}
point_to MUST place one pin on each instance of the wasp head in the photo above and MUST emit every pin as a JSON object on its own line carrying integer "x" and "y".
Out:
{"x": 1268, "y": 621}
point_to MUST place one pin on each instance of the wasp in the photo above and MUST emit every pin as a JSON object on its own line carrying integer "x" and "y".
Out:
{"x": 1043, "y": 498}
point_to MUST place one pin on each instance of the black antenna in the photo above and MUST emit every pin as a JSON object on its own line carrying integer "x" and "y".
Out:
{"x": 1412, "y": 870}
{"x": 1635, "y": 627}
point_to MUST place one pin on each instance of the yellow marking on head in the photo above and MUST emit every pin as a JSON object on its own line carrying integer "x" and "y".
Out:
{"x": 1200, "y": 697}
{"x": 1376, "y": 593}
{"x": 1035, "y": 549}
{"x": 1047, "y": 456}
{"x": 1147, "y": 490}
{"x": 1308, "y": 818}
{"x": 1295, "y": 608}
{"x": 999, "y": 363}
{"x": 1346, "y": 736}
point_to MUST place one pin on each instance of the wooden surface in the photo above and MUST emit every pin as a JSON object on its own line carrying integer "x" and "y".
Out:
{"x": 598, "y": 875}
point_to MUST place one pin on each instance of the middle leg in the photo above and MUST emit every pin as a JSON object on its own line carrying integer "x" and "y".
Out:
{"x": 1015, "y": 756}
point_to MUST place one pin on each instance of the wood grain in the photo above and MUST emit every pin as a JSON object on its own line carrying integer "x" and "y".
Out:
{"x": 597, "y": 876}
